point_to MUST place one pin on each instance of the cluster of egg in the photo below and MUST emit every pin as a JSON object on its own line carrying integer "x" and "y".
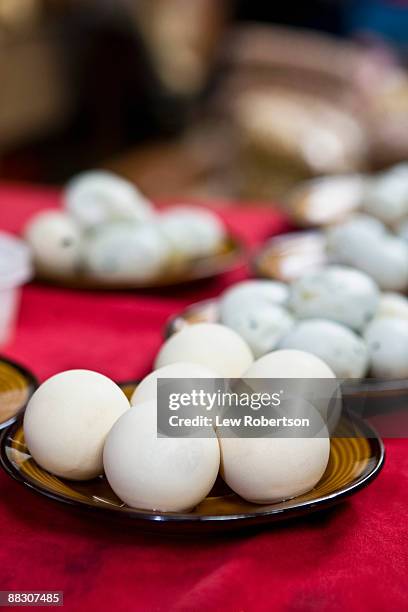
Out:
{"x": 79, "y": 425}
{"x": 336, "y": 313}
{"x": 109, "y": 231}
{"x": 366, "y": 220}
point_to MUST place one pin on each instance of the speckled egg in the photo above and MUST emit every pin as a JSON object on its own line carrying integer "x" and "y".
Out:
{"x": 261, "y": 325}
{"x": 383, "y": 257}
{"x": 99, "y": 196}
{"x": 193, "y": 231}
{"x": 386, "y": 195}
{"x": 345, "y": 241}
{"x": 126, "y": 252}
{"x": 387, "y": 341}
{"x": 336, "y": 293}
{"x": 56, "y": 243}
{"x": 338, "y": 346}
{"x": 402, "y": 229}
{"x": 249, "y": 293}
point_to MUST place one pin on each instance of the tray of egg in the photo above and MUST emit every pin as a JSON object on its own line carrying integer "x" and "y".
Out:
{"x": 335, "y": 312}
{"x": 109, "y": 236}
{"x": 83, "y": 443}
{"x": 346, "y": 277}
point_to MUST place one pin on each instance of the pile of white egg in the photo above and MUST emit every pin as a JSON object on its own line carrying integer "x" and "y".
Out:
{"x": 79, "y": 425}
{"x": 336, "y": 313}
{"x": 109, "y": 231}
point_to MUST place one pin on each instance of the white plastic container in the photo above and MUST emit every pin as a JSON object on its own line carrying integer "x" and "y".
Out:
{"x": 15, "y": 270}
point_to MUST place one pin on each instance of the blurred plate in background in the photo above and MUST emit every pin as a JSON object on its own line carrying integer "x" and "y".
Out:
{"x": 231, "y": 256}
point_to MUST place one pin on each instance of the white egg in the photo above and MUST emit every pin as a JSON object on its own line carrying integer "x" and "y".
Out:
{"x": 267, "y": 470}
{"x": 211, "y": 345}
{"x": 346, "y": 240}
{"x": 55, "y": 241}
{"x": 289, "y": 364}
{"x": 296, "y": 364}
{"x": 67, "y": 420}
{"x": 250, "y": 292}
{"x": 262, "y": 326}
{"x": 99, "y": 196}
{"x": 386, "y": 195}
{"x": 336, "y": 293}
{"x": 387, "y": 341}
{"x": 126, "y": 252}
{"x": 146, "y": 390}
{"x": 343, "y": 351}
{"x": 157, "y": 473}
{"x": 392, "y": 305}
{"x": 402, "y": 229}
{"x": 193, "y": 231}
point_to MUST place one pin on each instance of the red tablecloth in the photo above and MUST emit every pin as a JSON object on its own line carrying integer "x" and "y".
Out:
{"x": 353, "y": 557}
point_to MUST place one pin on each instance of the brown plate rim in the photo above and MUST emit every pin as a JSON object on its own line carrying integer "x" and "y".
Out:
{"x": 230, "y": 521}
{"x": 32, "y": 381}
{"x": 256, "y": 263}
{"x": 196, "y": 270}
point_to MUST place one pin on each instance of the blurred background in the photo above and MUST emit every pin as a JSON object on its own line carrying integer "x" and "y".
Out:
{"x": 203, "y": 98}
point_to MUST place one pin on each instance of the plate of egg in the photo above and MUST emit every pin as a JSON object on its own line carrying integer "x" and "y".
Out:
{"x": 357, "y": 221}
{"x": 335, "y": 312}
{"x": 92, "y": 444}
{"x": 362, "y": 241}
{"x": 108, "y": 235}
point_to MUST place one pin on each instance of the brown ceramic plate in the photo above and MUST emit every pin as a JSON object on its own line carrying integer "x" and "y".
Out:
{"x": 354, "y": 462}
{"x": 17, "y": 385}
{"x": 230, "y": 256}
{"x": 289, "y": 256}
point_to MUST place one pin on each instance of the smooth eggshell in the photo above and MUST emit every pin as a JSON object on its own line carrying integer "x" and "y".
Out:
{"x": 147, "y": 389}
{"x": 67, "y": 420}
{"x": 387, "y": 341}
{"x": 214, "y": 346}
{"x": 99, "y": 196}
{"x": 157, "y": 473}
{"x": 336, "y": 293}
{"x": 291, "y": 363}
{"x": 267, "y": 470}
{"x": 343, "y": 351}
{"x": 55, "y": 241}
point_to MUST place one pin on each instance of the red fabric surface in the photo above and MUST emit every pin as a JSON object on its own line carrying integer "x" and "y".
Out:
{"x": 353, "y": 557}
